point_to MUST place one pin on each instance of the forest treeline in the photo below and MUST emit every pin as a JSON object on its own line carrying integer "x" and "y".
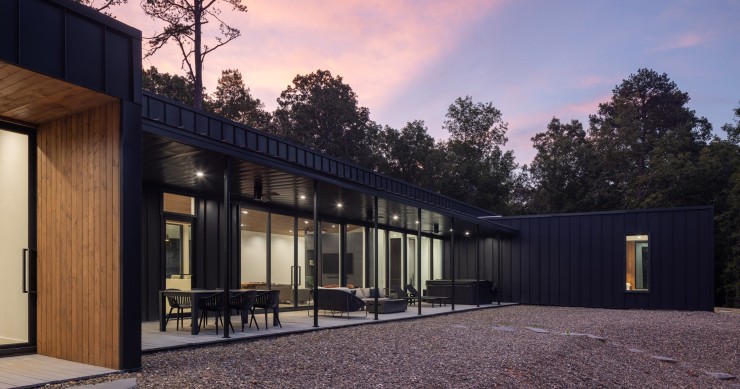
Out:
{"x": 644, "y": 148}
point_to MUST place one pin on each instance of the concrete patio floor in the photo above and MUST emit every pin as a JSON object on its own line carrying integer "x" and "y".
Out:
{"x": 293, "y": 322}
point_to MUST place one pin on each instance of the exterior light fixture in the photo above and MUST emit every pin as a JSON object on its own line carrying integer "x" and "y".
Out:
{"x": 302, "y": 197}
{"x": 467, "y": 233}
{"x": 395, "y": 217}
{"x": 340, "y": 205}
{"x": 199, "y": 174}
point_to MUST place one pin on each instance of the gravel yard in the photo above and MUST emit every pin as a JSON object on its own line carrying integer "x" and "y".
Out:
{"x": 485, "y": 348}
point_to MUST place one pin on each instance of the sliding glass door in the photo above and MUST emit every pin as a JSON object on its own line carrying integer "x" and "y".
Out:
{"x": 15, "y": 256}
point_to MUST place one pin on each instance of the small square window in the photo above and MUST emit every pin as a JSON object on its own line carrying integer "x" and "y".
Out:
{"x": 638, "y": 263}
{"x": 179, "y": 204}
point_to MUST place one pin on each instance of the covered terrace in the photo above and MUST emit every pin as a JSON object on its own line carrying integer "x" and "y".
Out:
{"x": 228, "y": 207}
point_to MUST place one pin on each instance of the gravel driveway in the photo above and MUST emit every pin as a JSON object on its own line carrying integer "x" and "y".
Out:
{"x": 519, "y": 346}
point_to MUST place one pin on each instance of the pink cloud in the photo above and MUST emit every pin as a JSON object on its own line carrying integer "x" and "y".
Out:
{"x": 684, "y": 41}
{"x": 379, "y": 47}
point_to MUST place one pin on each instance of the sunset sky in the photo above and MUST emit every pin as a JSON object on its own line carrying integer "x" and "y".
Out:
{"x": 409, "y": 60}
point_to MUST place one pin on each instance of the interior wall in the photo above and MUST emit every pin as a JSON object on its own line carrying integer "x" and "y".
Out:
{"x": 13, "y": 235}
{"x": 79, "y": 238}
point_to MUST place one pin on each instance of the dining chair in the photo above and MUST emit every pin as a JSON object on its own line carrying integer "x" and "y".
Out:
{"x": 243, "y": 302}
{"x": 269, "y": 300}
{"x": 179, "y": 303}
{"x": 212, "y": 303}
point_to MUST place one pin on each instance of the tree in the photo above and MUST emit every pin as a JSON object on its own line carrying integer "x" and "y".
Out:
{"x": 233, "y": 100}
{"x": 185, "y": 20}
{"x": 322, "y": 112}
{"x": 102, "y": 5}
{"x": 648, "y": 142}
{"x": 173, "y": 86}
{"x": 733, "y": 130}
{"x": 476, "y": 169}
{"x": 411, "y": 155}
{"x": 561, "y": 170}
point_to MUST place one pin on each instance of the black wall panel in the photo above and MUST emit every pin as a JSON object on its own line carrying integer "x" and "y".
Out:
{"x": 579, "y": 259}
{"x": 208, "y": 265}
{"x": 74, "y": 43}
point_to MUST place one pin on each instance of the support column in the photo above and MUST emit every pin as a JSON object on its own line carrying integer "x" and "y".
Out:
{"x": 375, "y": 252}
{"x": 226, "y": 253}
{"x": 477, "y": 265}
{"x": 418, "y": 261}
{"x": 316, "y": 232}
{"x": 342, "y": 254}
{"x": 295, "y": 276}
{"x": 452, "y": 259}
{"x": 405, "y": 264}
{"x": 500, "y": 252}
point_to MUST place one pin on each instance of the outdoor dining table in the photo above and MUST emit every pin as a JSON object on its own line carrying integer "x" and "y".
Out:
{"x": 195, "y": 296}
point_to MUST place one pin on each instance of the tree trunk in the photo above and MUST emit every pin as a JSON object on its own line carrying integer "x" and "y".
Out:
{"x": 198, "y": 13}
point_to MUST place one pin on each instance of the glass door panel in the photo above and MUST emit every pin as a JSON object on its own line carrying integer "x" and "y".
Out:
{"x": 330, "y": 253}
{"x": 178, "y": 248}
{"x": 14, "y": 237}
{"x": 306, "y": 260}
{"x": 253, "y": 225}
{"x": 282, "y": 258}
{"x": 354, "y": 262}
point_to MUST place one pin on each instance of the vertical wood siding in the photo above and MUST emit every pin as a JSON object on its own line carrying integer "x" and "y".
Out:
{"x": 79, "y": 237}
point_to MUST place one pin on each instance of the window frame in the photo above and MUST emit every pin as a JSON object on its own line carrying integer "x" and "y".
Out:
{"x": 650, "y": 264}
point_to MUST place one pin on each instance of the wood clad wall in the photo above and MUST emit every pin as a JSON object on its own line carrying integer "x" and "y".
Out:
{"x": 79, "y": 237}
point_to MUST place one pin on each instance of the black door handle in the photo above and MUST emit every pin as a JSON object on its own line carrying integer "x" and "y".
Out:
{"x": 25, "y": 287}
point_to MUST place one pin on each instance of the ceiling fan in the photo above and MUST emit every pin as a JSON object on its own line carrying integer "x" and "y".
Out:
{"x": 259, "y": 195}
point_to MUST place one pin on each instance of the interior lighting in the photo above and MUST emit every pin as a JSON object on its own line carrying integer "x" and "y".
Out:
{"x": 395, "y": 217}
{"x": 305, "y": 222}
{"x": 340, "y": 205}
{"x": 242, "y": 225}
{"x": 199, "y": 174}
{"x": 467, "y": 233}
{"x": 333, "y": 226}
{"x": 244, "y": 211}
{"x": 417, "y": 222}
{"x": 302, "y": 197}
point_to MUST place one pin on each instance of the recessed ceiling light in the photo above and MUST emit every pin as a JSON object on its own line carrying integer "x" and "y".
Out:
{"x": 417, "y": 222}
{"x": 290, "y": 230}
{"x": 339, "y": 205}
{"x": 467, "y": 233}
{"x": 242, "y": 225}
{"x": 305, "y": 222}
{"x": 302, "y": 197}
{"x": 395, "y": 217}
{"x": 450, "y": 229}
{"x": 244, "y": 211}
{"x": 199, "y": 174}
{"x": 333, "y": 226}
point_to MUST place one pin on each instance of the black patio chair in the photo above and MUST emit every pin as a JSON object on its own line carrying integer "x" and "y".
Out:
{"x": 269, "y": 300}
{"x": 416, "y": 295}
{"x": 212, "y": 303}
{"x": 243, "y": 302}
{"x": 179, "y": 303}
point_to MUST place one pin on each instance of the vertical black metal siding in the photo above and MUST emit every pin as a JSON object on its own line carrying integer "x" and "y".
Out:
{"x": 578, "y": 259}
{"x": 74, "y": 43}
{"x": 151, "y": 254}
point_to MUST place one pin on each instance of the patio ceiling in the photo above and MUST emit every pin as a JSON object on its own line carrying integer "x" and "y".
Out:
{"x": 172, "y": 164}
{"x": 30, "y": 98}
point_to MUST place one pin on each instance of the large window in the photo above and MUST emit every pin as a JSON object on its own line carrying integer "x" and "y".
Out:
{"x": 253, "y": 225}
{"x": 354, "y": 262}
{"x": 638, "y": 263}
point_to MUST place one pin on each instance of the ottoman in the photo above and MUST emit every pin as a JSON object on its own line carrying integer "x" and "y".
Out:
{"x": 387, "y": 305}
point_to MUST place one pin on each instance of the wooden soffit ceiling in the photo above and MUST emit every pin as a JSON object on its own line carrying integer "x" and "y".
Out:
{"x": 28, "y": 97}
